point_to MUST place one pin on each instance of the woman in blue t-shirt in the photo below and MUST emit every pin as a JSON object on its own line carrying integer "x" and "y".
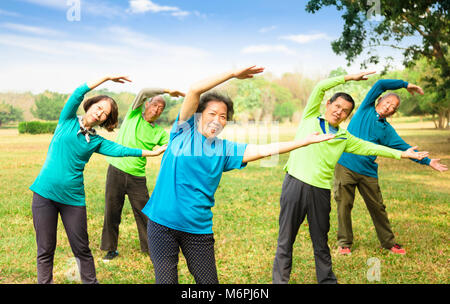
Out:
{"x": 179, "y": 208}
{"x": 59, "y": 187}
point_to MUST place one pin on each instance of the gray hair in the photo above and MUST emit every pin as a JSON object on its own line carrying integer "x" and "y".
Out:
{"x": 389, "y": 95}
{"x": 161, "y": 100}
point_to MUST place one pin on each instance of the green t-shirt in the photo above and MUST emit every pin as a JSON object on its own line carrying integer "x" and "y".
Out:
{"x": 314, "y": 164}
{"x": 136, "y": 132}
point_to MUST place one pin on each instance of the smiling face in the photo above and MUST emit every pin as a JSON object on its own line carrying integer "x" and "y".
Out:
{"x": 337, "y": 111}
{"x": 97, "y": 113}
{"x": 387, "y": 105}
{"x": 213, "y": 119}
{"x": 154, "y": 109}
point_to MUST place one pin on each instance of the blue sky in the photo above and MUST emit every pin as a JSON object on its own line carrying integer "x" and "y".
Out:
{"x": 43, "y": 45}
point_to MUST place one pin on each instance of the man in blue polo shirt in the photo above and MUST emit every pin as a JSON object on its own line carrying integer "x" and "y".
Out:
{"x": 369, "y": 123}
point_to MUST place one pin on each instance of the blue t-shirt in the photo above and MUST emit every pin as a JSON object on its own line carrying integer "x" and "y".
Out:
{"x": 190, "y": 172}
{"x": 367, "y": 125}
{"x": 61, "y": 178}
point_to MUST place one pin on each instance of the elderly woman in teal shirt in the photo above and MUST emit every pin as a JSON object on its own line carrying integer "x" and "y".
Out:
{"x": 59, "y": 187}
{"x": 179, "y": 208}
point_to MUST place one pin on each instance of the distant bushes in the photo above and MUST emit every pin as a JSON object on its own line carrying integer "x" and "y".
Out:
{"x": 37, "y": 127}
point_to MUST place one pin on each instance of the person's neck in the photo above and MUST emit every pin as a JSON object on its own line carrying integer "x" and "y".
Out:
{"x": 378, "y": 112}
{"x": 334, "y": 126}
{"x": 85, "y": 123}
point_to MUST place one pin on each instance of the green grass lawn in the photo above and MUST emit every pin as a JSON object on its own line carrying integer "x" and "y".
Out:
{"x": 245, "y": 221}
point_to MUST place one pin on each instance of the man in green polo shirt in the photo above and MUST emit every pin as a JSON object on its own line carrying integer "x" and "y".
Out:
{"x": 307, "y": 184}
{"x": 126, "y": 176}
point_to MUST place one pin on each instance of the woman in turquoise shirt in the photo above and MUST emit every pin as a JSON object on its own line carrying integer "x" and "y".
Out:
{"x": 59, "y": 187}
{"x": 179, "y": 208}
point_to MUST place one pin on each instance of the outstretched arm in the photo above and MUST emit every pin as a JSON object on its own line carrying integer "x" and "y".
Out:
{"x": 119, "y": 79}
{"x": 362, "y": 147}
{"x": 358, "y": 77}
{"x": 147, "y": 153}
{"x": 190, "y": 103}
{"x": 255, "y": 152}
{"x": 149, "y": 93}
{"x": 312, "y": 108}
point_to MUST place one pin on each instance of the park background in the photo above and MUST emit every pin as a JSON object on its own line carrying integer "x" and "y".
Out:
{"x": 49, "y": 47}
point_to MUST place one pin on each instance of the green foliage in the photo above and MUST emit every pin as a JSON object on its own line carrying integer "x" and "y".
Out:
{"x": 248, "y": 96}
{"x": 9, "y": 113}
{"x": 37, "y": 127}
{"x": 398, "y": 21}
{"x": 48, "y": 105}
{"x": 258, "y": 98}
{"x": 173, "y": 106}
{"x": 284, "y": 110}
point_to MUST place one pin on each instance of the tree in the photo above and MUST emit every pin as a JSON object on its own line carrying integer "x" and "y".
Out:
{"x": 400, "y": 20}
{"x": 284, "y": 110}
{"x": 9, "y": 113}
{"x": 48, "y": 105}
{"x": 173, "y": 106}
{"x": 413, "y": 105}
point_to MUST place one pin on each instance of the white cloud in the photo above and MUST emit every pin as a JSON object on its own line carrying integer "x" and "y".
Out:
{"x": 9, "y": 13}
{"x": 92, "y": 7}
{"x": 265, "y": 48}
{"x": 267, "y": 29}
{"x": 57, "y": 4}
{"x": 300, "y": 38}
{"x": 31, "y": 44}
{"x": 144, "y": 6}
{"x": 149, "y": 45}
{"x": 115, "y": 50}
{"x": 31, "y": 29}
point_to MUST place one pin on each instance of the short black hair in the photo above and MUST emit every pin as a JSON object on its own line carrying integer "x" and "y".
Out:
{"x": 215, "y": 96}
{"x": 345, "y": 96}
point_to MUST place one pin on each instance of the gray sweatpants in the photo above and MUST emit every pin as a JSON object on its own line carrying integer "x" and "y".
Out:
{"x": 298, "y": 200}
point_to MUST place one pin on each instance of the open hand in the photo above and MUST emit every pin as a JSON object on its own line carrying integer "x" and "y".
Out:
{"x": 436, "y": 165}
{"x": 160, "y": 150}
{"x": 175, "y": 93}
{"x": 410, "y": 153}
{"x": 247, "y": 72}
{"x": 412, "y": 88}
{"x": 120, "y": 79}
{"x": 316, "y": 137}
{"x": 359, "y": 76}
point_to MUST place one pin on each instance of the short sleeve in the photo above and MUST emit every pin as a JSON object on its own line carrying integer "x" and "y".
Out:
{"x": 234, "y": 154}
{"x": 183, "y": 127}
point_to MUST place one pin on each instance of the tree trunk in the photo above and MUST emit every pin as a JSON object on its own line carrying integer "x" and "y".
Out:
{"x": 434, "y": 121}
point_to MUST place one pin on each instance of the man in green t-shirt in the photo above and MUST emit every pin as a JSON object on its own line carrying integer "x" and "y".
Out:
{"x": 126, "y": 176}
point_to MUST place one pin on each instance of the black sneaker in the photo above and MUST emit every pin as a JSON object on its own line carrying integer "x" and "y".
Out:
{"x": 110, "y": 255}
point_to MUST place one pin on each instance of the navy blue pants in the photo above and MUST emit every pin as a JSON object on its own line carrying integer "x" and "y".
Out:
{"x": 164, "y": 246}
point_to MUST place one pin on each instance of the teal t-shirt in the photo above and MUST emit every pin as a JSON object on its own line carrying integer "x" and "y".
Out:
{"x": 190, "y": 172}
{"x": 136, "y": 132}
{"x": 367, "y": 125}
{"x": 61, "y": 177}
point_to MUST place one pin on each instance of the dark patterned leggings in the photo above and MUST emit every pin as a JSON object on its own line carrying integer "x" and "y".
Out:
{"x": 164, "y": 246}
